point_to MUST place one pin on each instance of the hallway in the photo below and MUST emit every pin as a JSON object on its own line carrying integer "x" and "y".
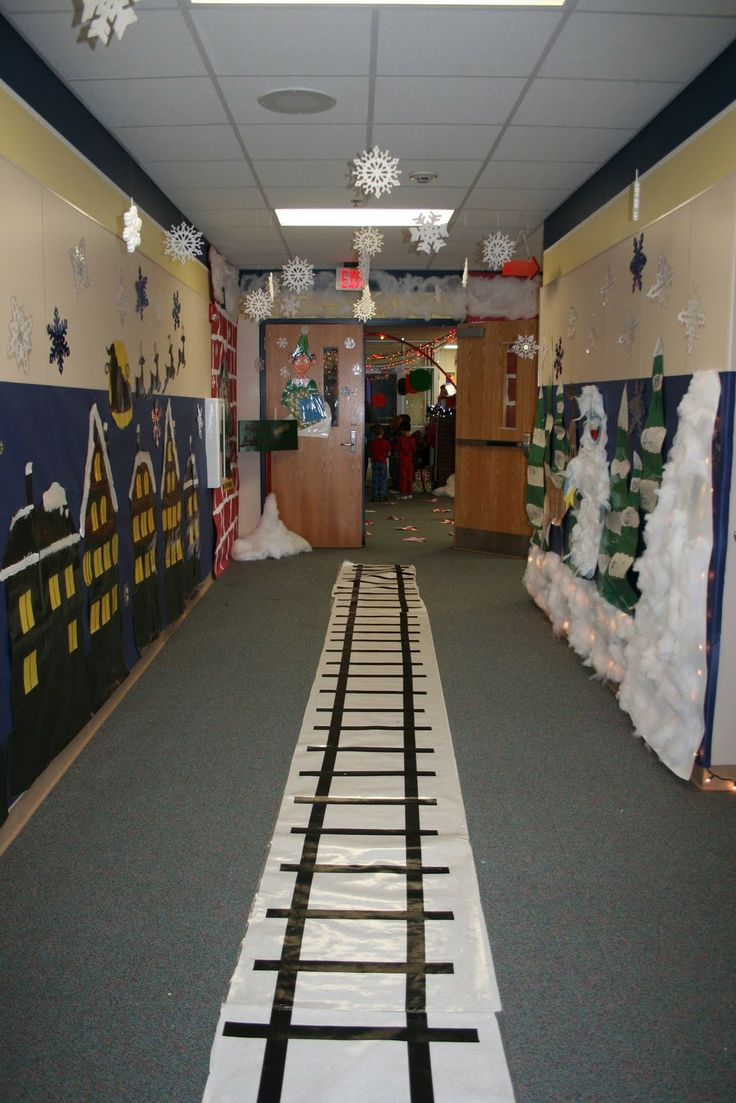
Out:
{"x": 601, "y": 875}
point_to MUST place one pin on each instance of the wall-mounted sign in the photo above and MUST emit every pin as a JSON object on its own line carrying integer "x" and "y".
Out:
{"x": 348, "y": 279}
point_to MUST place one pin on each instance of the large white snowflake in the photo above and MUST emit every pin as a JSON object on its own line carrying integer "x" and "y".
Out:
{"x": 692, "y": 318}
{"x": 289, "y": 306}
{"x": 298, "y": 275}
{"x": 429, "y": 231}
{"x": 368, "y": 241}
{"x": 376, "y": 171}
{"x": 497, "y": 249}
{"x": 19, "y": 339}
{"x": 365, "y": 308}
{"x": 108, "y": 16}
{"x": 183, "y": 243}
{"x": 257, "y": 305}
{"x": 525, "y": 347}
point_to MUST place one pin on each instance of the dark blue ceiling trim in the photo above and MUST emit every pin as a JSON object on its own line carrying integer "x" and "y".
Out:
{"x": 709, "y": 94}
{"x": 32, "y": 80}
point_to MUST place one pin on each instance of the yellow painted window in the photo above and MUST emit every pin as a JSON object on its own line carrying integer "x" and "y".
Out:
{"x": 94, "y": 517}
{"x": 115, "y": 548}
{"x": 152, "y": 560}
{"x": 69, "y": 581}
{"x": 147, "y": 564}
{"x": 87, "y": 568}
{"x": 98, "y": 466}
{"x": 146, "y": 481}
{"x": 72, "y": 636}
{"x": 114, "y": 599}
{"x": 94, "y": 617}
{"x": 25, "y": 610}
{"x": 169, "y": 452}
{"x": 138, "y": 569}
{"x": 178, "y": 512}
{"x": 179, "y": 551}
{"x": 144, "y": 524}
{"x": 151, "y": 521}
{"x": 136, "y": 528}
{"x": 97, "y": 555}
{"x": 105, "y": 608}
{"x": 106, "y": 560}
{"x": 138, "y": 485}
{"x": 54, "y": 591}
{"x": 30, "y": 672}
{"x": 103, "y": 510}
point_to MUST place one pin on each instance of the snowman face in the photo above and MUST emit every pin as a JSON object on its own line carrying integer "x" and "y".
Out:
{"x": 592, "y": 431}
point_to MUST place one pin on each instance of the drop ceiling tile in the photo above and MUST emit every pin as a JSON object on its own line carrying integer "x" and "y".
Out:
{"x": 155, "y": 101}
{"x": 199, "y": 174}
{"x": 661, "y": 7}
{"x": 266, "y": 236}
{"x": 491, "y": 220}
{"x": 426, "y": 141}
{"x": 536, "y": 174}
{"x": 443, "y": 100}
{"x": 471, "y": 43}
{"x": 295, "y": 196}
{"x": 450, "y": 174}
{"x": 351, "y": 93}
{"x": 560, "y": 143}
{"x": 158, "y": 43}
{"x": 260, "y": 41}
{"x": 602, "y": 103}
{"x": 205, "y": 218}
{"x": 609, "y": 45}
{"x": 174, "y": 143}
{"x": 325, "y": 173}
{"x": 217, "y": 199}
{"x": 294, "y": 142}
{"x": 515, "y": 199}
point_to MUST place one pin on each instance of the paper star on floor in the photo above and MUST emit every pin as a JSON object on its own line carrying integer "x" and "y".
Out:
{"x": 406, "y": 528}
{"x": 415, "y": 539}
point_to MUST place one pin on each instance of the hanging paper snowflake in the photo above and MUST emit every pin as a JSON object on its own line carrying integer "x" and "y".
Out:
{"x": 364, "y": 309}
{"x": 525, "y": 347}
{"x": 107, "y": 16}
{"x": 692, "y": 318}
{"x": 183, "y": 243}
{"x": 141, "y": 298}
{"x": 376, "y": 171}
{"x": 59, "y": 347}
{"x": 631, "y": 323}
{"x": 271, "y": 286}
{"x": 298, "y": 275}
{"x": 638, "y": 261}
{"x": 497, "y": 249}
{"x": 78, "y": 258}
{"x": 257, "y": 305}
{"x": 282, "y": 342}
{"x": 132, "y": 226}
{"x": 19, "y": 336}
{"x": 607, "y": 287}
{"x": 289, "y": 306}
{"x": 465, "y": 273}
{"x": 200, "y": 420}
{"x": 368, "y": 241}
{"x": 176, "y": 310}
{"x": 122, "y": 298}
{"x": 660, "y": 289}
{"x": 349, "y": 342}
{"x": 572, "y": 324}
{"x": 429, "y": 232}
{"x": 559, "y": 357}
{"x": 156, "y": 422}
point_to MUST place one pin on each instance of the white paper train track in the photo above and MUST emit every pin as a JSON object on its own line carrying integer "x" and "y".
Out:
{"x": 365, "y": 973}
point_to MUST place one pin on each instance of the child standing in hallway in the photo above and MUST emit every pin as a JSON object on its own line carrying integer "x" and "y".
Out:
{"x": 378, "y": 450}
{"x": 405, "y": 449}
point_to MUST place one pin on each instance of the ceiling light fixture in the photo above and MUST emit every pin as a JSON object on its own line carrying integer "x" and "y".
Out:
{"x": 352, "y": 216}
{"x": 296, "y": 101}
{"x": 394, "y": 3}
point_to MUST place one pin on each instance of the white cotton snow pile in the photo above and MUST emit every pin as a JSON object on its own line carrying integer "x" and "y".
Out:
{"x": 664, "y": 686}
{"x": 270, "y": 539}
{"x": 595, "y": 630}
{"x": 448, "y": 490}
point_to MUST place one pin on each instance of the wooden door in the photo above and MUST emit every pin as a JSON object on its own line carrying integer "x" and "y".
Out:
{"x": 495, "y": 413}
{"x": 319, "y": 488}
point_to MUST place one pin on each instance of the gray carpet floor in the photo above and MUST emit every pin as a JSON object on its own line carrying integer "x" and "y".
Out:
{"x": 608, "y": 884}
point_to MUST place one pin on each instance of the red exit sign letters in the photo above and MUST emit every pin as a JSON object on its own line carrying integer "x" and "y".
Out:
{"x": 348, "y": 279}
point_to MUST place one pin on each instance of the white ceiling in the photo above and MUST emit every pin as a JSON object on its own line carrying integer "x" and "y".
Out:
{"x": 512, "y": 109}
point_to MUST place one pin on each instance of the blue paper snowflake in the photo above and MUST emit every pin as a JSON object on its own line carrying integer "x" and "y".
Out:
{"x": 638, "y": 262}
{"x": 59, "y": 346}
{"x": 176, "y": 310}
{"x": 559, "y": 356}
{"x": 141, "y": 298}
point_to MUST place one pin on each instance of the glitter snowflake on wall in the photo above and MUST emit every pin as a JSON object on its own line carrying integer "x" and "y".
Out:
{"x": 659, "y": 292}
{"x": 78, "y": 259}
{"x": 692, "y": 318}
{"x": 497, "y": 249}
{"x": 638, "y": 262}
{"x": 298, "y": 275}
{"x": 19, "y": 336}
{"x": 525, "y": 347}
{"x": 289, "y": 306}
{"x": 284, "y": 372}
{"x": 108, "y": 17}
{"x": 141, "y": 298}
{"x": 349, "y": 342}
{"x": 376, "y": 171}
{"x": 572, "y": 324}
{"x": 183, "y": 243}
{"x": 132, "y": 226}
{"x": 282, "y": 343}
{"x": 631, "y": 324}
{"x": 607, "y": 287}
{"x": 365, "y": 308}
{"x": 368, "y": 241}
{"x": 59, "y": 347}
{"x": 200, "y": 420}
{"x": 122, "y": 298}
{"x": 592, "y": 332}
{"x": 176, "y": 310}
{"x": 257, "y": 305}
{"x": 429, "y": 232}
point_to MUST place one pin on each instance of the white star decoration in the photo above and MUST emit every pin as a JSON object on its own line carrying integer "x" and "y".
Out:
{"x": 183, "y": 243}
{"x": 289, "y": 306}
{"x": 376, "y": 171}
{"x": 365, "y": 308}
{"x": 108, "y": 16}
{"x": 572, "y": 324}
{"x": 660, "y": 289}
{"x": 429, "y": 231}
{"x": 19, "y": 339}
{"x": 298, "y": 275}
{"x": 282, "y": 342}
{"x": 692, "y": 318}
{"x": 497, "y": 249}
{"x": 368, "y": 241}
{"x": 257, "y": 305}
{"x": 525, "y": 347}
{"x": 349, "y": 342}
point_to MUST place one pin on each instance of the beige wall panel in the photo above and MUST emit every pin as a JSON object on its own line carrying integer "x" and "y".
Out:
{"x": 712, "y": 255}
{"x": 21, "y": 273}
{"x": 668, "y": 238}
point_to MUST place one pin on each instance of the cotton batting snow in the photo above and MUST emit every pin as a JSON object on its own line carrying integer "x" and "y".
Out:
{"x": 270, "y": 539}
{"x": 448, "y": 490}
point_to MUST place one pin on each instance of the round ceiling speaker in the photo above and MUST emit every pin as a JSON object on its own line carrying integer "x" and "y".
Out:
{"x": 297, "y": 101}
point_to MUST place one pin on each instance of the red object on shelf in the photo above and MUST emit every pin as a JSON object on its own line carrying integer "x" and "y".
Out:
{"x": 378, "y": 401}
{"x": 529, "y": 268}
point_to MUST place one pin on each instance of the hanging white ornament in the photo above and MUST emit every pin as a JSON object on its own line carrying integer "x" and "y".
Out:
{"x": 607, "y": 287}
{"x": 692, "y": 318}
{"x": 368, "y": 241}
{"x": 429, "y": 232}
{"x": 183, "y": 243}
{"x": 298, "y": 275}
{"x": 107, "y": 17}
{"x": 271, "y": 287}
{"x": 465, "y": 273}
{"x": 626, "y": 338}
{"x": 349, "y": 342}
{"x": 132, "y": 226}
{"x": 525, "y": 347}
{"x": 376, "y": 171}
{"x": 635, "y": 197}
{"x": 659, "y": 292}
{"x": 257, "y": 305}
{"x": 497, "y": 249}
{"x": 289, "y": 306}
{"x": 572, "y": 324}
{"x": 19, "y": 336}
{"x": 365, "y": 308}
{"x": 78, "y": 258}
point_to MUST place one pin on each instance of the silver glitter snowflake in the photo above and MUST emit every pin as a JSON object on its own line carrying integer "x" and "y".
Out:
{"x": 572, "y": 324}
{"x": 78, "y": 258}
{"x": 429, "y": 232}
{"x": 368, "y": 241}
{"x": 106, "y": 17}
{"x": 289, "y": 306}
{"x": 525, "y": 347}
{"x": 607, "y": 287}
{"x": 122, "y": 298}
{"x": 497, "y": 249}
{"x": 376, "y": 171}
{"x": 357, "y": 369}
{"x": 257, "y": 305}
{"x": 364, "y": 309}
{"x": 592, "y": 332}
{"x": 631, "y": 323}
{"x": 349, "y": 342}
{"x": 660, "y": 289}
{"x": 200, "y": 420}
{"x": 298, "y": 275}
{"x": 183, "y": 243}
{"x": 692, "y": 318}
{"x": 19, "y": 335}
{"x": 282, "y": 342}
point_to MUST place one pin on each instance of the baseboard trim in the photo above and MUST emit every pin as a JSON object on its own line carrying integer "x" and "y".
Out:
{"x": 493, "y": 543}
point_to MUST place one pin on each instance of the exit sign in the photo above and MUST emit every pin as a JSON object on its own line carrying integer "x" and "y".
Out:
{"x": 348, "y": 279}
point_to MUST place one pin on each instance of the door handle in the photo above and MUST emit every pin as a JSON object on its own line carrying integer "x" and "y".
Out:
{"x": 353, "y": 441}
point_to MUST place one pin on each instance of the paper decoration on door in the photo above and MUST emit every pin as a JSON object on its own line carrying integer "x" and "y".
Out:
{"x": 535, "y": 471}
{"x": 119, "y": 392}
{"x": 302, "y": 397}
{"x": 146, "y": 607}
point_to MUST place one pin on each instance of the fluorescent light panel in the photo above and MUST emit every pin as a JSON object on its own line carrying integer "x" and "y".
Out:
{"x": 354, "y": 216}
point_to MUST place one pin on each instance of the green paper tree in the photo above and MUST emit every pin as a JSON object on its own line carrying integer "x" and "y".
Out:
{"x": 535, "y": 471}
{"x": 652, "y": 436}
{"x": 621, "y": 530}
